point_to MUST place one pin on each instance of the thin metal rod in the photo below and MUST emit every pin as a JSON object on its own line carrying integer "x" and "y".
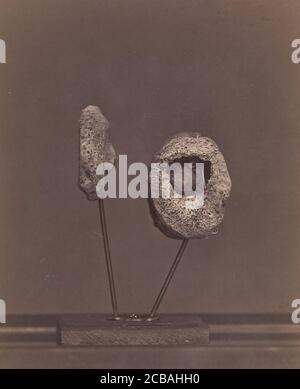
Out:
{"x": 168, "y": 278}
{"x": 112, "y": 288}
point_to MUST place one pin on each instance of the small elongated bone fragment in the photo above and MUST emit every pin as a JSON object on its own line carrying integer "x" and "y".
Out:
{"x": 95, "y": 148}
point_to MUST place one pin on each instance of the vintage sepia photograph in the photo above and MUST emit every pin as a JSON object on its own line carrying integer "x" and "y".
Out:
{"x": 150, "y": 189}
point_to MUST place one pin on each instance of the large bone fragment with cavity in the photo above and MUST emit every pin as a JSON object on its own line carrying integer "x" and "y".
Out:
{"x": 173, "y": 216}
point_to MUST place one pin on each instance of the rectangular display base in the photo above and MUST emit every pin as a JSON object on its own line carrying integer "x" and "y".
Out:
{"x": 99, "y": 330}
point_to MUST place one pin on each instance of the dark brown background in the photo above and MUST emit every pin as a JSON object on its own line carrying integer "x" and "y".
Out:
{"x": 155, "y": 68}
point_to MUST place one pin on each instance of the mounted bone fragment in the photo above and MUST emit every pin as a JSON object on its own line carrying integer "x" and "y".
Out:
{"x": 95, "y": 148}
{"x": 176, "y": 217}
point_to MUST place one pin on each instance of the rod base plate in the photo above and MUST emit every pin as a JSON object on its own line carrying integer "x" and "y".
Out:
{"x": 100, "y": 330}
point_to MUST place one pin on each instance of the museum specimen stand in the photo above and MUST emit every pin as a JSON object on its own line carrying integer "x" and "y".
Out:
{"x": 132, "y": 329}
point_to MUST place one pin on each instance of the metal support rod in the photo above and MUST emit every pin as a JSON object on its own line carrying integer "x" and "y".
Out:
{"x": 112, "y": 288}
{"x": 168, "y": 278}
